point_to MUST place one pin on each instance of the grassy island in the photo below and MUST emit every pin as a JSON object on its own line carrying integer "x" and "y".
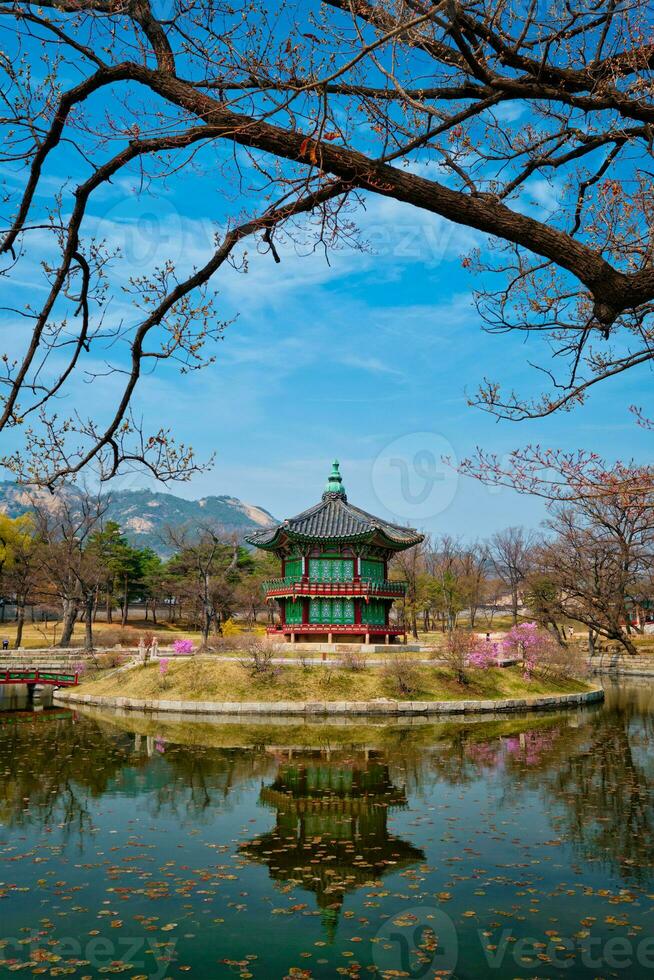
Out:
{"x": 204, "y": 679}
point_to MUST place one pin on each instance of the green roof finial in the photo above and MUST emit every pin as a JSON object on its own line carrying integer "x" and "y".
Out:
{"x": 334, "y": 484}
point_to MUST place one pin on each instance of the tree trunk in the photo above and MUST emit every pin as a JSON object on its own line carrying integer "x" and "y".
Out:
{"x": 70, "y": 610}
{"x": 88, "y": 622}
{"x": 206, "y": 625}
{"x": 20, "y": 620}
{"x": 110, "y": 614}
{"x": 625, "y": 640}
{"x": 514, "y": 607}
{"x": 592, "y": 636}
{"x": 125, "y": 602}
{"x": 414, "y": 624}
{"x": 154, "y": 611}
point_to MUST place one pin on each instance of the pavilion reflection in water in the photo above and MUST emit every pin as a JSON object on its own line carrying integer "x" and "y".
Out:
{"x": 331, "y": 834}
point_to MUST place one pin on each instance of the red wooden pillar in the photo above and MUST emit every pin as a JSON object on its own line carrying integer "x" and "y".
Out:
{"x": 357, "y": 612}
{"x": 305, "y": 610}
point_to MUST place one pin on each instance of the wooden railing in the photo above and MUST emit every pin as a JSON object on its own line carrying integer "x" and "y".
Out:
{"x": 355, "y": 587}
{"x": 359, "y": 628}
{"x": 29, "y": 675}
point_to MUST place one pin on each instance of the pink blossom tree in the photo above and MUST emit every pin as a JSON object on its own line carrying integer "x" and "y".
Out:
{"x": 529, "y": 644}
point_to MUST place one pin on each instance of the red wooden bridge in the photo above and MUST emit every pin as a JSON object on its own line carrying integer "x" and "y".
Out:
{"x": 51, "y": 677}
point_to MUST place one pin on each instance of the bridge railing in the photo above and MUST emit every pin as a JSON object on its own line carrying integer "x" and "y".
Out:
{"x": 38, "y": 675}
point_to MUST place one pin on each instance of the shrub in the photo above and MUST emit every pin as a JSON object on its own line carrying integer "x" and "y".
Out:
{"x": 258, "y": 659}
{"x": 164, "y": 664}
{"x": 230, "y": 644}
{"x": 402, "y": 675}
{"x": 114, "y": 636}
{"x": 230, "y": 628}
{"x": 459, "y": 647}
{"x": 484, "y": 655}
{"x": 183, "y": 647}
{"x": 559, "y": 662}
{"x": 113, "y": 658}
{"x": 353, "y": 659}
{"x": 539, "y": 651}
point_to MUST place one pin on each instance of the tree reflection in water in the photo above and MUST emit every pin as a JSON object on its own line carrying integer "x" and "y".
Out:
{"x": 592, "y": 769}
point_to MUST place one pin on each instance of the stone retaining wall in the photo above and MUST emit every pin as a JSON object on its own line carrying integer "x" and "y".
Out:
{"x": 623, "y": 664}
{"x": 313, "y": 708}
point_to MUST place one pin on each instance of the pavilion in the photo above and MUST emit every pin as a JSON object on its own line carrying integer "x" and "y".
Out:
{"x": 334, "y": 582}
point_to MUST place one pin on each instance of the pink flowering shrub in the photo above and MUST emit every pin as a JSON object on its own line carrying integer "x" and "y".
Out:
{"x": 164, "y": 664}
{"x": 527, "y": 642}
{"x": 538, "y": 650}
{"x": 483, "y": 655}
{"x": 183, "y": 647}
{"x": 463, "y": 650}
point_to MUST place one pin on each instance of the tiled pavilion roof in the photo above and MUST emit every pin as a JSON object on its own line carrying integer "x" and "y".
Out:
{"x": 335, "y": 520}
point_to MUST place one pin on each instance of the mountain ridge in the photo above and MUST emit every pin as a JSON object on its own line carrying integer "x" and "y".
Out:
{"x": 144, "y": 514}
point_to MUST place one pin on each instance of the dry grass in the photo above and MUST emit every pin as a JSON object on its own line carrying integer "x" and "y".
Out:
{"x": 203, "y": 679}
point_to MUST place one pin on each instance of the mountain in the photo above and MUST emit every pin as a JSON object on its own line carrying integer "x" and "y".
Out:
{"x": 144, "y": 514}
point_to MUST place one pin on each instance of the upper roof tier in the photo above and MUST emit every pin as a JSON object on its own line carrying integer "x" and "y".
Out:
{"x": 335, "y": 521}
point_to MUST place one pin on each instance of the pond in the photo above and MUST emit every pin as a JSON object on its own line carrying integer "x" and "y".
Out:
{"x": 161, "y": 847}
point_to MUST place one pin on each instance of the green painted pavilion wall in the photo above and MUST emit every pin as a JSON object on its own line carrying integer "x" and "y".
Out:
{"x": 373, "y": 613}
{"x": 329, "y": 567}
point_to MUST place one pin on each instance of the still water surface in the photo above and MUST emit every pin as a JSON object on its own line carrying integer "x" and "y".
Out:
{"x": 515, "y": 847}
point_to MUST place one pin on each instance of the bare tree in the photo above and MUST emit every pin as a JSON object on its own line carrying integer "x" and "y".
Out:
{"x": 596, "y": 557}
{"x": 206, "y": 568}
{"x": 464, "y": 110}
{"x": 410, "y": 565}
{"x": 511, "y": 555}
{"x": 475, "y": 562}
{"x": 70, "y": 571}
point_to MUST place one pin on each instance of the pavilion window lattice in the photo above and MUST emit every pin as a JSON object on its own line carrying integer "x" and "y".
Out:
{"x": 331, "y": 569}
{"x": 336, "y": 611}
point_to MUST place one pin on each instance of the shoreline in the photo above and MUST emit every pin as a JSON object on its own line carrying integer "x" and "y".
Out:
{"x": 392, "y": 708}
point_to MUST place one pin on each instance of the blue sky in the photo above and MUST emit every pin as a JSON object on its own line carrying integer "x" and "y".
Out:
{"x": 367, "y": 358}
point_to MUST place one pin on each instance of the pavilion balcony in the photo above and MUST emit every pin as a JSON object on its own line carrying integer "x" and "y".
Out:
{"x": 356, "y": 629}
{"x": 293, "y": 586}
